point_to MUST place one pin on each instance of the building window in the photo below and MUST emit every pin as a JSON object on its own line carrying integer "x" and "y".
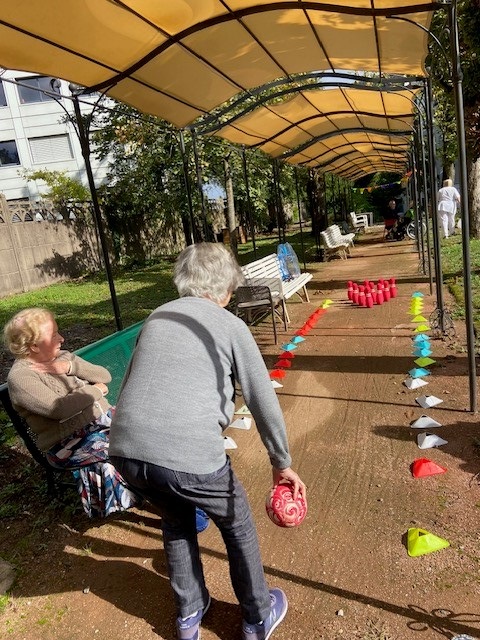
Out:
{"x": 50, "y": 148}
{"x": 3, "y": 99}
{"x": 32, "y": 89}
{"x": 8, "y": 153}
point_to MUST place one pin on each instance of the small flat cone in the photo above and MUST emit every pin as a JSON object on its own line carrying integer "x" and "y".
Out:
{"x": 422, "y": 338}
{"x": 415, "y": 309}
{"x": 427, "y": 402}
{"x": 419, "y": 319}
{"x": 243, "y": 411}
{"x": 418, "y": 372}
{"x": 414, "y": 383}
{"x": 423, "y": 467}
{"x": 287, "y": 355}
{"x": 229, "y": 443}
{"x": 425, "y": 422}
{"x": 420, "y": 542}
{"x": 424, "y": 361}
{"x": 289, "y": 346}
{"x": 297, "y": 339}
{"x": 276, "y": 384}
{"x": 417, "y": 294}
{"x": 277, "y": 373}
{"x": 421, "y": 328}
{"x": 429, "y": 440}
{"x": 283, "y": 364}
{"x": 422, "y": 353}
{"x": 327, "y": 303}
{"x": 242, "y": 423}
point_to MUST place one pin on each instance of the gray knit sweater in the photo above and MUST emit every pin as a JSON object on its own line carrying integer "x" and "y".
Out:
{"x": 177, "y": 396}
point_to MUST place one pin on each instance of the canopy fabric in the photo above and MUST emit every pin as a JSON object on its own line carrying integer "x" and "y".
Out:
{"x": 325, "y": 127}
{"x": 180, "y": 59}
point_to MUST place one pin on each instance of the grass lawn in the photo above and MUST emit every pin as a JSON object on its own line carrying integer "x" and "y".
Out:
{"x": 86, "y": 301}
{"x": 452, "y": 267}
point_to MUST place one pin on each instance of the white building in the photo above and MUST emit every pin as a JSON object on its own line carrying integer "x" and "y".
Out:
{"x": 34, "y": 136}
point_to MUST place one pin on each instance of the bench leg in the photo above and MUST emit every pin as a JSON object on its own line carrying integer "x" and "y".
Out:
{"x": 286, "y": 317}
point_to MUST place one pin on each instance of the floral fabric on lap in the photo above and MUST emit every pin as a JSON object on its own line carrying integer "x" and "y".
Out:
{"x": 101, "y": 488}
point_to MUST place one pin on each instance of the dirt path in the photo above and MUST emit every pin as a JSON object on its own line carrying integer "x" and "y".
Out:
{"x": 345, "y": 569}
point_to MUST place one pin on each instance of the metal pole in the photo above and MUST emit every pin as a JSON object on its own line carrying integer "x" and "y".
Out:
{"x": 85, "y": 147}
{"x": 425, "y": 200}
{"x": 465, "y": 217}
{"x": 295, "y": 171}
{"x": 419, "y": 217}
{"x": 275, "y": 199}
{"x": 249, "y": 201}
{"x": 188, "y": 225}
{"x": 414, "y": 197}
{"x": 198, "y": 171}
{"x": 434, "y": 205}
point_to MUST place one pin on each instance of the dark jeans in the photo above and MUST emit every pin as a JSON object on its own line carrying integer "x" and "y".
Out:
{"x": 223, "y": 498}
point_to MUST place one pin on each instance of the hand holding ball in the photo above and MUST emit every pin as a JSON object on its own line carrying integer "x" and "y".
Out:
{"x": 282, "y": 509}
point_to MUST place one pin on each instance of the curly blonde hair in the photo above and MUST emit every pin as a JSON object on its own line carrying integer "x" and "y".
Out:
{"x": 23, "y": 330}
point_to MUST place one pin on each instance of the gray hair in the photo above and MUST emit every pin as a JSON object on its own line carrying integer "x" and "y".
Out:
{"x": 207, "y": 270}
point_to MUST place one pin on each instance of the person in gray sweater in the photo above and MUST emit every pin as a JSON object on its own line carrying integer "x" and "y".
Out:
{"x": 167, "y": 441}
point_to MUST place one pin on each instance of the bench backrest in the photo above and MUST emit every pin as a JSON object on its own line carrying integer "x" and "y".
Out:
{"x": 267, "y": 267}
{"x": 328, "y": 240}
{"x": 113, "y": 353}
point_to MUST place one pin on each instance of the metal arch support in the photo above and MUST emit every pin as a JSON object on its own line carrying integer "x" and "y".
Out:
{"x": 85, "y": 146}
{"x": 467, "y": 283}
{"x": 249, "y": 201}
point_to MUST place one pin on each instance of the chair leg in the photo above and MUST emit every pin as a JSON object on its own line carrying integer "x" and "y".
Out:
{"x": 272, "y": 307}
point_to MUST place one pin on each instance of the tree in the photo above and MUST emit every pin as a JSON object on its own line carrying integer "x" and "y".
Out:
{"x": 62, "y": 188}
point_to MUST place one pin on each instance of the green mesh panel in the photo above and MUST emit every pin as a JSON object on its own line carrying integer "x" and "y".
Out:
{"x": 113, "y": 353}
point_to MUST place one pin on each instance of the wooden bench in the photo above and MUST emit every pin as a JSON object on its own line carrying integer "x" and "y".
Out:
{"x": 266, "y": 271}
{"x": 113, "y": 353}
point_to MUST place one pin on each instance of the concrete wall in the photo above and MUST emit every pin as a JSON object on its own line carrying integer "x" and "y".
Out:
{"x": 38, "y": 248}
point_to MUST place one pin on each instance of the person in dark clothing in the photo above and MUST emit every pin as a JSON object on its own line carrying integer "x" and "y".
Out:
{"x": 390, "y": 217}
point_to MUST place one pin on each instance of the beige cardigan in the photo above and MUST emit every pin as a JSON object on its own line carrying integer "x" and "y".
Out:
{"x": 55, "y": 406}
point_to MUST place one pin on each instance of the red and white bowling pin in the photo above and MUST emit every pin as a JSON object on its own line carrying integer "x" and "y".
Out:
{"x": 386, "y": 290}
{"x": 350, "y": 290}
{"x": 355, "y": 293}
{"x": 380, "y": 293}
{"x": 368, "y": 298}
{"x": 393, "y": 288}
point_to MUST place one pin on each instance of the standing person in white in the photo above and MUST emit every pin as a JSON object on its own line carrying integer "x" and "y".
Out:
{"x": 448, "y": 198}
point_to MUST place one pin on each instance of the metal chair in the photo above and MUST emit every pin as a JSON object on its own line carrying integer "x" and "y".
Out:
{"x": 253, "y": 300}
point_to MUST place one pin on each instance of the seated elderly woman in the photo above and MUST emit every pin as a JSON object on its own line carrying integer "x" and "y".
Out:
{"x": 63, "y": 400}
